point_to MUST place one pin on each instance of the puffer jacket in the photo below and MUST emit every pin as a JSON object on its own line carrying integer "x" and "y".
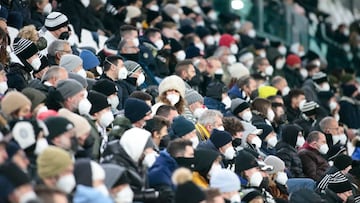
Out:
{"x": 289, "y": 155}
{"x": 314, "y": 165}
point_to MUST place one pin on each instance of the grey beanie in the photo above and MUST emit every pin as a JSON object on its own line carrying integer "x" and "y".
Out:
{"x": 192, "y": 96}
{"x": 238, "y": 105}
{"x": 78, "y": 78}
{"x": 70, "y": 62}
{"x": 69, "y": 88}
{"x": 131, "y": 67}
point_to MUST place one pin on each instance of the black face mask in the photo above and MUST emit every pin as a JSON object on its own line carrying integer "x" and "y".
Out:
{"x": 185, "y": 162}
{"x": 218, "y": 76}
{"x": 64, "y": 36}
{"x": 282, "y": 119}
{"x": 41, "y": 43}
{"x": 236, "y": 142}
{"x": 131, "y": 57}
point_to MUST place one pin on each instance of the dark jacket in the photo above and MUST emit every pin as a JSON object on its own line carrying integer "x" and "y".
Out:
{"x": 349, "y": 112}
{"x": 236, "y": 92}
{"x": 211, "y": 103}
{"x": 161, "y": 171}
{"x": 293, "y": 77}
{"x": 289, "y": 155}
{"x": 314, "y": 165}
{"x": 37, "y": 84}
{"x": 119, "y": 93}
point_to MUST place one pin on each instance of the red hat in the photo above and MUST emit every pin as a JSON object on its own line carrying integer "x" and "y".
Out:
{"x": 293, "y": 59}
{"x": 226, "y": 40}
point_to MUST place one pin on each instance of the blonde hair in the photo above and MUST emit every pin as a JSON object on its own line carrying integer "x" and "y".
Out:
{"x": 29, "y": 32}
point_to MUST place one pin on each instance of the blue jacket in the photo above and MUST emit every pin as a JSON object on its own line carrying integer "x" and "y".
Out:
{"x": 160, "y": 172}
{"x": 356, "y": 154}
{"x": 86, "y": 194}
{"x": 211, "y": 103}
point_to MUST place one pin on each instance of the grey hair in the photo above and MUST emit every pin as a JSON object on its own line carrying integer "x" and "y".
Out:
{"x": 208, "y": 117}
{"x": 53, "y": 72}
{"x": 57, "y": 45}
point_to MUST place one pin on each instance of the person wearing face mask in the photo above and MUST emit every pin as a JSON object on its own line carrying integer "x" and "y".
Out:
{"x": 251, "y": 176}
{"x": 250, "y": 138}
{"x": 73, "y": 63}
{"x": 330, "y": 127}
{"x": 278, "y": 178}
{"x": 61, "y": 133}
{"x": 229, "y": 185}
{"x": 16, "y": 185}
{"x": 314, "y": 165}
{"x": 286, "y": 149}
{"x": 109, "y": 89}
{"x": 101, "y": 115}
{"x": 158, "y": 126}
{"x": 185, "y": 129}
{"x": 309, "y": 118}
{"x": 216, "y": 97}
{"x": 268, "y": 138}
{"x": 292, "y": 71}
{"x": 135, "y": 77}
{"x": 195, "y": 105}
{"x": 39, "y": 10}
{"x": 281, "y": 84}
{"x": 115, "y": 71}
{"x": 117, "y": 180}
{"x": 235, "y": 128}
{"x": 293, "y": 102}
{"x": 241, "y": 109}
{"x": 90, "y": 182}
{"x": 207, "y": 39}
{"x": 56, "y": 172}
{"x": 220, "y": 141}
{"x": 205, "y": 167}
{"x": 90, "y": 63}
{"x": 208, "y": 121}
{"x": 26, "y": 59}
{"x": 179, "y": 153}
{"x": 172, "y": 92}
{"x": 262, "y": 111}
{"x": 263, "y": 67}
{"x": 56, "y": 25}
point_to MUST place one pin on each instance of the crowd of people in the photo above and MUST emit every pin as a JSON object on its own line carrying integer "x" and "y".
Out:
{"x": 180, "y": 104}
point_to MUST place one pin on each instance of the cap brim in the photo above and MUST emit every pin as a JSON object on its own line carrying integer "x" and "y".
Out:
{"x": 264, "y": 167}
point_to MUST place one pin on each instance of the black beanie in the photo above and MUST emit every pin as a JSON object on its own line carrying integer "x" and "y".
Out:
{"x": 82, "y": 172}
{"x": 204, "y": 159}
{"x": 151, "y": 15}
{"x": 189, "y": 193}
{"x": 339, "y": 184}
{"x": 175, "y": 45}
{"x": 267, "y": 129}
{"x": 238, "y": 105}
{"x": 290, "y": 133}
{"x": 98, "y": 102}
{"x": 244, "y": 161}
{"x": 215, "y": 90}
{"x": 135, "y": 109}
{"x": 24, "y": 48}
{"x": 14, "y": 174}
{"x": 180, "y": 127}
{"x": 57, "y": 125}
{"x": 105, "y": 87}
{"x": 348, "y": 90}
{"x": 220, "y": 138}
{"x": 342, "y": 161}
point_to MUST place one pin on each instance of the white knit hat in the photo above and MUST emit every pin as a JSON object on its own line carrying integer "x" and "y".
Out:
{"x": 55, "y": 21}
{"x": 172, "y": 82}
{"x": 238, "y": 70}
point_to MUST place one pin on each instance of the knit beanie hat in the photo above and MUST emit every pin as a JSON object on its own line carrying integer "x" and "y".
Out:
{"x": 267, "y": 129}
{"x": 132, "y": 67}
{"x": 348, "y": 90}
{"x": 290, "y": 133}
{"x": 192, "y": 51}
{"x": 57, "y": 126}
{"x": 319, "y": 77}
{"x": 172, "y": 82}
{"x": 238, "y": 105}
{"x": 309, "y": 108}
{"x": 98, "y": 102}
{"x": 55, "y": 21}
{"x": 220, "y": 138}
{"x": 12, "y": 148}
{"x": 36, "y": 97}
{"x": 70, "y": 62}
{"x": 225, "y": 180}
{"x": 183, "y": 191}
{"x": 186, "y": 29}
{"x": 24, "y": 48}
{"x": 115, "y": 175}
{"x": 202, "y": 31}
{"x": 151, "y": 15}
{"x": 86, "y": 171}
{"x": 293, "y": 59}
{"x": 277, "y": 164}
{"x": 204, "y": 159}
{"x": 180, "y": 127}
{"x": 175, "y": 45}
{"x": 192, "y": 96}
{"x": 80, "y": 79}
{"x": 342, "y": 161}
{"x": 81, "y": 125}
{"x": 226, "y": 40}
{"x": 69, "y": 88}
{"x": 135, "y": 109}
{"x": 244, "y": 161}
{"x": 11, "y": 177}
{"x": 134, "y": 142}
{"x": 52, "y": 162}
{"x": 238, "y": 70}
{"x": 339, "y": 184}
{"x": 105, "y": 86}
{"x": 89, "y": 59}
{"x": 13, "y": 101}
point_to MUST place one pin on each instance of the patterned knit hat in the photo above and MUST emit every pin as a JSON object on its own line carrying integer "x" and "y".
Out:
{"x": 24, "y": 48}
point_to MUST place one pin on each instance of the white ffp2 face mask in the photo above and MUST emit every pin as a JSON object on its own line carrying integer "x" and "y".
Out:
{"x": 173, "y": 98}
{"x": 106, "y": 119}
{"x": 229, "y": 153}
{"x": 66, "y": 183}
{"x": 84, "y": 106}
{"x": 36, "y": 63}
{"x": 281, "y": 178}
{"x": 255, "y": 179}
{"x": 126, "y": 195}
